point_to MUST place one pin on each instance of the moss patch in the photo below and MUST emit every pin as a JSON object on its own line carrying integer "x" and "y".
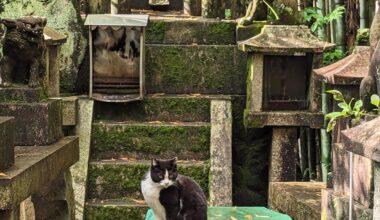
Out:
{"x": 156, "y": 109}
{"x": 110, "y": 212}
{"x": 195, "y": 69}
{"x": 147, "y": 140}
{"x": 117, "y": 180}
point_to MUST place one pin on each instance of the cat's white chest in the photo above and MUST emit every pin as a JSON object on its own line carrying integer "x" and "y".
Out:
{"x": 151, "y": 193}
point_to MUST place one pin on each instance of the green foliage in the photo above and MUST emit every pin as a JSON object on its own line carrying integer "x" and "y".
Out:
{"x": 354, "y": 112}
{"x": 332, "y": 56}
{"x": 312, "y": 15}
{"x": 375, "y": 100}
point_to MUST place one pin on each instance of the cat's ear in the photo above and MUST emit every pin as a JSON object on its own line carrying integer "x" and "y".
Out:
{"x": 174, "y": 160}
{"x": 154, "y": 162}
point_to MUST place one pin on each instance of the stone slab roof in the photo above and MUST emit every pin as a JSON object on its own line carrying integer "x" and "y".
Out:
{"x": 348, "y": 71}
{"x": 364, "y": 139}
{"x": 285, "y": 39}
{"x": 52, "y": 37}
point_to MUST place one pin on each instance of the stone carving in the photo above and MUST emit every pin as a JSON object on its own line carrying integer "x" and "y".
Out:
{"x": 371, "y": 84}
{"x": 23, "y": 49}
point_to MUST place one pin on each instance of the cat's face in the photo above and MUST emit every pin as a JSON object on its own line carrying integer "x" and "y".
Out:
{"x": 164, "y": 172}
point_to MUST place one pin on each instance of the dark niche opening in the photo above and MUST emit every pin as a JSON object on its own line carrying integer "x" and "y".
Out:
{"x": 286, "y": 82}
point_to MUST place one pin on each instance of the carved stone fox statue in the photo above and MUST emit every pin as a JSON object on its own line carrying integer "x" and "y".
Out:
{"x": 23, "y": 49}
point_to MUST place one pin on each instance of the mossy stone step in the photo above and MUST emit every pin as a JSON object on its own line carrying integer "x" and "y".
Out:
{"x": 206, "y": 69}
{"x": 191, "y": 30}
{"x": 144, "y": 140}
{"x": 21, "y": 94}
{"x": 121, "y": 178}
{"x": 112, "y": 209}
{"x": 159, "y": 107}
{"x": 37, "y": 123}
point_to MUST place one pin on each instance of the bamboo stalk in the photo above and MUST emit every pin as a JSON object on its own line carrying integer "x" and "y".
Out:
{"x": 325, "y": 138}
{"x": 321, "y": 31}
{"x": 363, "y": 14}
{"x": 340, "y": 28}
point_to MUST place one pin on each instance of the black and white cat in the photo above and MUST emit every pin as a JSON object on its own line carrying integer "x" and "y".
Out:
{"x": 172, "y": 196}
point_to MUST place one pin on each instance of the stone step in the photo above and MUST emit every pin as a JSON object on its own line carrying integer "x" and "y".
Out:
{"x": 35, "y": 123}
{"x": 160, "y": 107}
{"x": 206, "y": 69}
{"x": 111, "y": 209}
{"x": 121, "y": 178}
{"x": 191, "y": 30}
{"x": 7, "y": 155}
{"x": 144, "y": 140}
{"x": 300, "y": 200}
{"x": 21, "y": 94}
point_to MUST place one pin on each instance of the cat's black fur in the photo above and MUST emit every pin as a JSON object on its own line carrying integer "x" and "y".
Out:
{"x": 184, "y": 198}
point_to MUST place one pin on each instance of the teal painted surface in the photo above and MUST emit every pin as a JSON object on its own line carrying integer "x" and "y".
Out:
{"x": 228, "y": 213}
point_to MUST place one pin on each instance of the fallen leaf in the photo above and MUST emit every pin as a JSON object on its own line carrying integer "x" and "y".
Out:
{"x": 3, "y": 174}
{"x": 248, "y": 216}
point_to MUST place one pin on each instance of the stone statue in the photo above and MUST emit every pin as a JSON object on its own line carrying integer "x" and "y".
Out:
{"x": 23, "y": 50}
{"x": 371, "y": 84}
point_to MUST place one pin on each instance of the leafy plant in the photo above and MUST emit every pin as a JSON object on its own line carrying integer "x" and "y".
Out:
{"x": 375, "y": 100}
{"x": 354, "y": 111}
{"x": 317, "y": 20}
{"x": 332, "y": 56}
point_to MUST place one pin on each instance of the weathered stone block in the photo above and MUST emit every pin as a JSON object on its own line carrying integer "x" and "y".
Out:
{"x": 121, "y": 178}
{"x": 7, "y": 156}
{"x": 283, "y": 118}
{"x": 221, "y": 153}
{"x": 187, "y": 31}
{"x": 147, "y": 140}
{"x": 69, "y": 111}
{"x": 21, "y": 94}
{"x": 362, "y": 180}
{"x": 159, "y": 107}
{"x": 195, "y": 69}
{"x": 340, "y": 169}
{"x": 35, "y": 123}
{"x": 36, "y": 166}
{"x": 115, "y": 209}
{"x": 337, "y": 207}
{"x": 300, "y": 200}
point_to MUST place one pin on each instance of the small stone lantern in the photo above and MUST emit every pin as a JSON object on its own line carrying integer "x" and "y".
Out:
{"x": 117, "y": 56}
{"x": 281, "y": 91}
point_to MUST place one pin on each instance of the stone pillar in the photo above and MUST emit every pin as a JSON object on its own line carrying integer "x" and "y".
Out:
{"x": 114, "y": 6}
{"x": 255, "y": 82}
{"x": 221, "y": 153}
{"x": 55, "y": 200}
{"x": 7, "y": 157}
{"x": 283, "y": 154}
{"x": 53, "y": 68}
{"x": 79, "y": 170}
{"x": 376, "y": 197}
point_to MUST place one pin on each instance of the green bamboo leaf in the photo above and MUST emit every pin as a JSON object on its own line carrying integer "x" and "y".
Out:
{"x": 338, "y": 96}
{"x": 358, "y": 105}
{"x": 334, "y": 115}
{"x": 375, "y": 100}
{"x": 330, "y": 125}
{"x": 344, "y": 106}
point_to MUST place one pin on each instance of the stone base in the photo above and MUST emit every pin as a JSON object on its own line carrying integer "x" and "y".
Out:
{"x": 69, "y": 111}
{"x": 337, "y": 207}
{"x": 6, "y": 143}
{"x": 283, "y": 118}
{"x": 300, "y": 200}
{"x": 35, "y": 123}
{"x": 20, "y": 94}
{"x": 35, "y": 167}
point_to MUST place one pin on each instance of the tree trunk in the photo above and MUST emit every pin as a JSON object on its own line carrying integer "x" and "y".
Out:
{"x": 352, "y": 22}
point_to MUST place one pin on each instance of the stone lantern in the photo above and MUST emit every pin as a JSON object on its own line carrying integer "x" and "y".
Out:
{"x": 281, "y": 91}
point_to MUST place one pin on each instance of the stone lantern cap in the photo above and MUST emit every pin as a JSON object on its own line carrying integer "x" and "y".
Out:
{"x": 52, "y": 37}
{"x": 285, "y": 39}
{"x": 364, "y": 139}
{"x": 348, "y": 71}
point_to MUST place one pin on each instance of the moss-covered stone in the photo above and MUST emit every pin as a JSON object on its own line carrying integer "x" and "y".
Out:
{"x": 69, "y": 111}
{"x": 7, "y": 156}
{"x": 185, "y": 108}
{"x": 35, "y": 123}
{"x": 112, "y": 210}
{"x": 246, "y": 32}
{"x": 190, "y": 31}
{"x": 195, "y": 69}
{"x": 118, "y": 179}
{"x": 21, "y": 94}
{"x": 146, "y": 140}
{"x": 64, "y": 17}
